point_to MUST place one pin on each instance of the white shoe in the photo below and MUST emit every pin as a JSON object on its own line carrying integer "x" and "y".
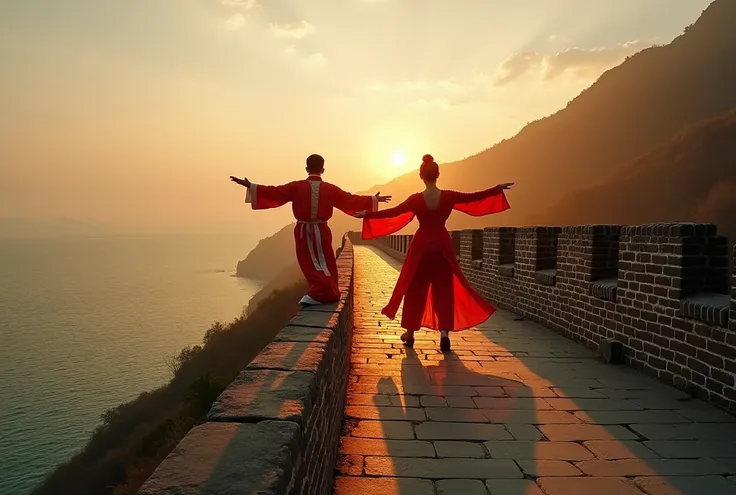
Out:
{"x": 308, "y": 301}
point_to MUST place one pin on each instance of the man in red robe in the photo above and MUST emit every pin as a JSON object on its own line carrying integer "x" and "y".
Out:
{"x": 312, "y": 201}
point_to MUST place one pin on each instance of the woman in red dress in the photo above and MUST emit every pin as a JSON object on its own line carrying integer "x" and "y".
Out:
{"x": 436, "y": 294}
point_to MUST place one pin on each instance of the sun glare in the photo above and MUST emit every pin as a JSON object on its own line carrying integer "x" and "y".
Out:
{"x": 398, "y": 158}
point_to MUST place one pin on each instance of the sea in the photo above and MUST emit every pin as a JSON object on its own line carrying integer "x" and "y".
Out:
{"x": 88, "y": 323}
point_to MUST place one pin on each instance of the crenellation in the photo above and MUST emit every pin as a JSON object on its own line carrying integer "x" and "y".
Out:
{"x": 732, "y": 314}
{"x": 456, "y": 241}
{"x": 506, "y": 245}
{"x": 476, "y": 245}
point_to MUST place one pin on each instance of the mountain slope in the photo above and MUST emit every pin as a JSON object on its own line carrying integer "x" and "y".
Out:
{"x": 270, "y": 256}
{"x": 629, "y": 111}
{"x": 691, "y": 178}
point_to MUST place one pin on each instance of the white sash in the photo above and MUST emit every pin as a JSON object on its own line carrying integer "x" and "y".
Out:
{"x": 314, "y": 236}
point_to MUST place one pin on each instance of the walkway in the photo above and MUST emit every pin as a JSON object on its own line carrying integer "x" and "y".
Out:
{"x": 514, "y": 409}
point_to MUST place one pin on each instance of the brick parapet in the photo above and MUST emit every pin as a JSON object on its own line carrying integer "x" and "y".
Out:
{"x": 732, "y": 317}
{"x": 276, "y": 428}
{"x": 658, "y": 289}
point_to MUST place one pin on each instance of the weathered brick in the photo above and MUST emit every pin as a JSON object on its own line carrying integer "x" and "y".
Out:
{"x": 646, "y": 317}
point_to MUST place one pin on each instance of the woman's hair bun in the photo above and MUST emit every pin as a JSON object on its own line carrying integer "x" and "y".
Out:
{"x": 429, "y": 169}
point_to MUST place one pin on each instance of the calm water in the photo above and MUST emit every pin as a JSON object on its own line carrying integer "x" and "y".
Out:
{"x": 86, "y": 324}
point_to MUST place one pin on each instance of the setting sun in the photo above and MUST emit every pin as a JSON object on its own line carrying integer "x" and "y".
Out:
{"x": 398, "y": 158}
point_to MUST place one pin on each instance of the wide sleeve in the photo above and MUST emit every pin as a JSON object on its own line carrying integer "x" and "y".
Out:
{"x": 386, "y": 222}
{"x": 480, "y": 203}
{"x": 264, "y": 197}
{"x": 352, "y": 203}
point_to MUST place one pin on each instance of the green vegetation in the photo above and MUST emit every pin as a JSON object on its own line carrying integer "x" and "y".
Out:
{"x": 287, "y": 277}
{"x": 135, "y": 437}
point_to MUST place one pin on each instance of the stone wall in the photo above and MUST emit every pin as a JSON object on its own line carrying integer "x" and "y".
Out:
{"x": 663, "y": 291}
{"x": 276, "y": 428}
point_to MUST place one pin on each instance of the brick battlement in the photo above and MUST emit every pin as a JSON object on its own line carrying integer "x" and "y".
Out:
{"x": 664, "y": 291}
{"x": 276, "y": 428}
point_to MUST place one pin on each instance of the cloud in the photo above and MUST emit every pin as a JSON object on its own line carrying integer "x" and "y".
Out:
{"x": 590, "y": 62}
{"x": 316, "y": 59}
{"x": 246, "y": 4}
{"x": 235, "y": 21}
{"x": 516, "y": 65}
{"x": 313, "y": 60}
{"x": 295, "y": 30}
{"x": 443, "y": 93}
{"x": 580, "y": 62}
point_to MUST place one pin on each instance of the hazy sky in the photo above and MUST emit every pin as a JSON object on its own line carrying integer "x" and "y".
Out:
{"x": 136, "y": 112}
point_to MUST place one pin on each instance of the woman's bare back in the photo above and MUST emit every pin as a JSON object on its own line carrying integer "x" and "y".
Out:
{"x": 432, "y": 198}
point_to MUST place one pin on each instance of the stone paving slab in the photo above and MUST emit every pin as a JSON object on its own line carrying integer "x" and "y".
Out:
{"x": 229, "y": 458}
{"x": 383, "y": 447}
{"x": 383, "y": 486}
{"x": 612, "y": 450}
{"x": 514, "y": 409}
{"x": 513, "y": 487}
{"x": 684, "y": 449}
{"x": 460, "y": 449}
{"x": 561, "y": 451}
{"x": 442, "y": 468}
{"x": 707, "y": 485}
{"x": 397, "y": 430}
{"x": 466, "y": 487}
{"x": 588, "y": 486}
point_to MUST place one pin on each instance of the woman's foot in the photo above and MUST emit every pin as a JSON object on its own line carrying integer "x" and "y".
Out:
{"x": 445, "y": 340}
{"x": 408, "y": 339}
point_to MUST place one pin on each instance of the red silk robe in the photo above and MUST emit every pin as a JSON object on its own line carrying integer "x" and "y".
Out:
{"x": 312, "y": 201}
{"x": 435, "y": 292}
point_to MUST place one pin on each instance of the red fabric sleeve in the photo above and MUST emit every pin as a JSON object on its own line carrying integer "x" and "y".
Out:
{"x": 480, "y": 203}
{"x": 386, "y": 222}
{"x": 265, "y": 197}
{"x": 352, "y": 203}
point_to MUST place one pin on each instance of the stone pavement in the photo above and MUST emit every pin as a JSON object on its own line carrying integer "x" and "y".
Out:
{"x": 514, "y": 409}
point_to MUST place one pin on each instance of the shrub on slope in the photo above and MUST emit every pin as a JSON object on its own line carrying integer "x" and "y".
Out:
{"x": 135, "y": 437}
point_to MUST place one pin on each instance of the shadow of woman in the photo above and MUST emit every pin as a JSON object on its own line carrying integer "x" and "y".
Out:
{"x": 480, "y": 425}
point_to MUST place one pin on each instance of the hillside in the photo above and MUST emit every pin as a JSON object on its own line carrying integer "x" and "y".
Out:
{"x": 270, "y": 256}
{"x": 286, "y": 277}
{"x": 630, "y": 110}
{"x": 133, "y": 438}
{"x": 691, "y": 178}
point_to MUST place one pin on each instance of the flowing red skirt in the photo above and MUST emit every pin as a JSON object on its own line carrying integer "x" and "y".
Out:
{"x": 435, "y": 292}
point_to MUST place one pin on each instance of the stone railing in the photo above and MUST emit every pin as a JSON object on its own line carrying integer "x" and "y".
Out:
{"x": 662, "y": 294}
{"x": 276, "y": 428}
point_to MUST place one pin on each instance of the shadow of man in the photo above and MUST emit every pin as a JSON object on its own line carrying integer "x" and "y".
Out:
{"x": 470, "y": 431}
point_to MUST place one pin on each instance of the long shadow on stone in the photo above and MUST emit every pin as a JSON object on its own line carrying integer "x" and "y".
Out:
{"x": 452, "y": 429}
{"x": 645, "y": 436}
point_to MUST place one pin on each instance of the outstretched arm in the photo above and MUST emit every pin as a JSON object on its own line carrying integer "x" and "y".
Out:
{"x": 380, "y": 223}
{"x": 484, "y": 202}
{"x": 352, "y": 203}
{"x": 264, "y": 197}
